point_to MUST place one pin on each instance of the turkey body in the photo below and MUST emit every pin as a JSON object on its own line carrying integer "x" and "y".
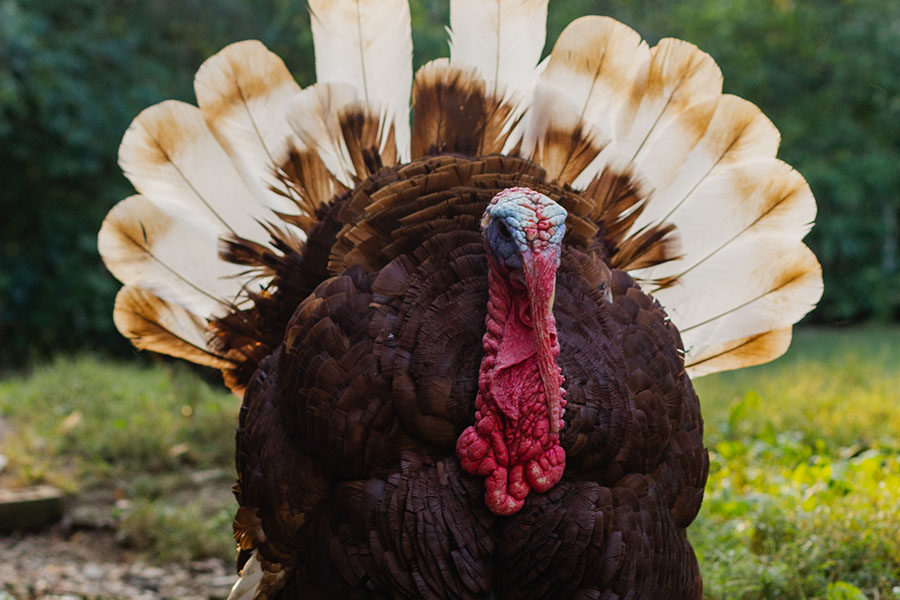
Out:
{"x": 345, "y": 449}
{"x": 411, "y": 278}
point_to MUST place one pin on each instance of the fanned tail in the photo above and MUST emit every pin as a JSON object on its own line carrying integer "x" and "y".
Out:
{"x": 711, "y": 220}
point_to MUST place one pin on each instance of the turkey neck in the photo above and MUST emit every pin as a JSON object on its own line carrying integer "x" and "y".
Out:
{"x": 520, "y": 402}
{"x": 519, "y": 369}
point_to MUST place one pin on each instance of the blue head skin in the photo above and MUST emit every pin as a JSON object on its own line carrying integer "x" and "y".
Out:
{"x": 520, "y": 222}
{"x": 520, "y": 225}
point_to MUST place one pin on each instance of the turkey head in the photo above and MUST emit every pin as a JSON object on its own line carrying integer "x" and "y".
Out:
{"x": 520, "y": 402}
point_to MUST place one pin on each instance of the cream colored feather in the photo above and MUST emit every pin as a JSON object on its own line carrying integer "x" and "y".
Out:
{"x": 708, "y": 161}
{"x": 314, "y": 117}
{"x": 254, "y": 582}
{"x": 244, "y": 93}
{"x": 594, "y": 65}
{"x": 755, "y": 285}
{"x": 676, "y": 77}
{"x": 602, "y": 100}
{"x": 171, "y": 157}
{"x": 152, "y": 323}
{"x": 368, "y": 44}
{"x": 503, "y": 40}
{"x": 744, "y": 352}
{"x": 176, "y": 259}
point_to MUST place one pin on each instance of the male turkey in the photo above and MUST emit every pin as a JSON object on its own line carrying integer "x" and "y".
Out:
{"x": 421, "y": 419}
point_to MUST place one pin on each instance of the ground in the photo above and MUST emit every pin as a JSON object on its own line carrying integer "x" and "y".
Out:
{"x": 52, "y": 565}
{"x": 803, "y": 499}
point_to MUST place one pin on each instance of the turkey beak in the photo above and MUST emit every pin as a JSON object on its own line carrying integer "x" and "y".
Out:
{"x": 540, "y": 284}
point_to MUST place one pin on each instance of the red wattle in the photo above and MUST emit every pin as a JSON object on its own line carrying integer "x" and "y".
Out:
{"x": 513, "y": 442}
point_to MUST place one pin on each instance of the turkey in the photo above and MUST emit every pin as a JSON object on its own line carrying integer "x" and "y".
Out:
{"x": 463, "y": 331}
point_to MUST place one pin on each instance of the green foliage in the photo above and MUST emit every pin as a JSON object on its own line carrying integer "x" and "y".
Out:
{"x": 78, "y": 421}
{"x": 803, "y": 499}
{"x": 73, "y": 73}
{"x": 179, "y": 532}
{"x": 83, "y": 423}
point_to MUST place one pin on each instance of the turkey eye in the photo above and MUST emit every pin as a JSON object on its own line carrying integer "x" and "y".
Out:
{"x": 503, "y": 230}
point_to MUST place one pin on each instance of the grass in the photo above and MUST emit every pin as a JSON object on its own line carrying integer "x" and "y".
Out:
{"x": 803, "y": 498}
{"x": 83, "y": 423}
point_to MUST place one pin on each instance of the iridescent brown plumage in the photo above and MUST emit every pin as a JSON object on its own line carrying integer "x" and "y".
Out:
{"x": 376, "y": 377}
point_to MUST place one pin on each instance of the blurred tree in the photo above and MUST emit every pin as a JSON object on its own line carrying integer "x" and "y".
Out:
{"x": 73, "y": 73}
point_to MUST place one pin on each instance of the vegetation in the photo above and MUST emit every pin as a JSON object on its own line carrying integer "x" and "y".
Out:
{"x": 803, "y": 499}
{"x": 161, "y": 438}
{"x": 73, "y": 73}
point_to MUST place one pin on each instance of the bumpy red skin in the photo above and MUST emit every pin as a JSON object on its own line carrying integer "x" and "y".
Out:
{"x": 515, "y": 439}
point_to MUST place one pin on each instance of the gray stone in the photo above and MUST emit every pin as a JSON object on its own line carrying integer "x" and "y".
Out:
{"x": 29, "y": 509}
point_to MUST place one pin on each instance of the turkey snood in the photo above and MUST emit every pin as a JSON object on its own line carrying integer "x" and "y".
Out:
{"x": 520, "y": 403}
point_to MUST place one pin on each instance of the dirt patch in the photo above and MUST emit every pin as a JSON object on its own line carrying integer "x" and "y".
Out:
{"x": 92, "y": 564}
{"x": 86, "y": 556}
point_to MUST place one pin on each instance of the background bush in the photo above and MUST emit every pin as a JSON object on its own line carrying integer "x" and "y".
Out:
{"x": 73, "y": 73}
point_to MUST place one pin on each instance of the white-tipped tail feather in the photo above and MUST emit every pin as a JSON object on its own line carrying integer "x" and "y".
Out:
{"x": 244, "y": 93}
{"x": 153, "y": 323}
{"x": 603, "y": 102}
{"x": 368, "y": 44}
{"x": 502, "y": 39}
{"x": 254, "y": 582}
{"x": 314, "y": 117}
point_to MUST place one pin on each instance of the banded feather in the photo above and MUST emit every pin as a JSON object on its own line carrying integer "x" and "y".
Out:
{"x": 368, "y": 45}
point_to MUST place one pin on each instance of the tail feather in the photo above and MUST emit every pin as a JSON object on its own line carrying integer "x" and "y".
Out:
{"x": 454, "y": 113}
{"x": 368, "y": 45}
{"x": 751, "y": 287}
{"x": 776, "y": 201}
{"x": 707, "y": 163}
{"x": 686, "y": 191}
{"x": 557, "y": 138}
{"x": 152, "y": 323}
{"x": 244, "y": 93}
{"x": 172, "y": 158}
{"x": 255, "y": 583}
{"x": 677, "y": 76}
{"x": 502, "y": 40}
{"x": 314, "y": 117}
{"x": 594, "y": 65}
{"x": 744, "y": 352}
{"x": 175, "y": 259}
